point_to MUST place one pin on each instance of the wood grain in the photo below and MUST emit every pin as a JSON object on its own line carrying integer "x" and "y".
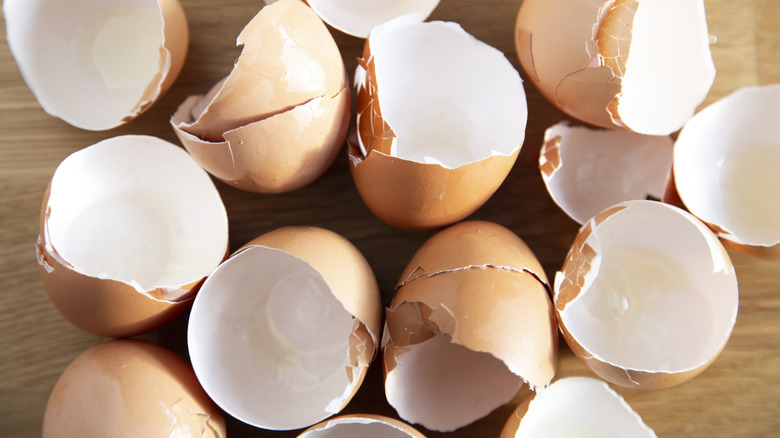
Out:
{"x": 739, "y": 395}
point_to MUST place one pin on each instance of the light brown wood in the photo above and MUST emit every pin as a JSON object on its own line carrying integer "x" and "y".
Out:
{"x": 739, "y": 395}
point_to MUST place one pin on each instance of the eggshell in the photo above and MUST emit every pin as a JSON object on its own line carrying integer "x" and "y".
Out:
{"x": 588, "y": 170}
{"x": 120, "y": 251}
{"x": 470, "y": 322}
{"x": 358, "y": 17}
{"x": 97, "y": 64}
{"x": 643, "y": 66}
{"x": 130, "y": 388}
{"x": 576, "y": 406}
{"x": 277, "y": 122}
{"x": 647, "y": 296}
{"x": 726, "y": 160}
{"x": 361, "y": 425}
{"x": 282, "y": 333}
{"x": 441, "y": 119}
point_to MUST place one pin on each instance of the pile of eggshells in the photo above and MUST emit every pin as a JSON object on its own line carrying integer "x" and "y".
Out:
{"x": 282, "y": 332}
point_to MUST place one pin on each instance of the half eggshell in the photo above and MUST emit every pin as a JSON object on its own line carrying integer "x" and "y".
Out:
{"x": 129, "y": 229}
{"x": 576, "y": 406}
{"x": 647, "y": 296}
{"x": 279, "y": 119}
{"x": 282, "y": 333}
{"x": 359, "y": 426}
{"x": 588, "y": 170}
{"x": 643, "y": 66}
{"x": 97, "y": 64}
{"x": 471, "y": 321}
{"x": 726, "y": 162}
{"x": 130, "y": 388}
{"x": 441, "y": 119}
{"x": 358, "y": 17}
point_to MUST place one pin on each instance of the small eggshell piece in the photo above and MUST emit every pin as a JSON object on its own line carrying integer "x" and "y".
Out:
{"x": 588, "y": 170}
{"x": 359, "y": 17}
{"x": 130, "y": 388}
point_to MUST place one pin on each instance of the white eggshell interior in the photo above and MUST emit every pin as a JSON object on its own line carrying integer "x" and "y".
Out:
{"x": 665, "y": 296}
{"x": 445, "y": 386}
{"x": 136, "y": 209}
{"x": 669, "y": 70}
{"x": 600, "y": 168}
{"x": 269, "y": 341}
{"x": 87, "y": 62}
{"x": 581, "y": 407}
{"x": 450, "y": 98}
{"x": 358, "y": 17}
{"x": 354, "y": 427}
{"x": 726, "y": 162}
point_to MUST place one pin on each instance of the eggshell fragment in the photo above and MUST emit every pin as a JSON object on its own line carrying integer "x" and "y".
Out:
{"x": 588, "y": 170}
{"x": 360, "y": 426}
{"x": 726, "y": 161}
{"x": 279, "y": 119}
{"x": 97, "y": 64}
{"x": 441, "y": 119}
{"x": 576, "y": 406}
{"x": 129, "y": 229}
{"x": 638, "y": 65}
{"x": 282, "y": 333}
{"x": 647, "y": 296}
{"x": 130, "y": 388}
{"x": 358, "y": 17}
{"x": 470, "y": 322}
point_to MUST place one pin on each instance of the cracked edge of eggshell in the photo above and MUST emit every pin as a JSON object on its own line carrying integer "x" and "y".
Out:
{"x": 579, "y": 270}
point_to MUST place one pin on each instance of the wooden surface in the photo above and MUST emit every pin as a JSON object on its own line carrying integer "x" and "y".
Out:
{"x": 739, "y": 395}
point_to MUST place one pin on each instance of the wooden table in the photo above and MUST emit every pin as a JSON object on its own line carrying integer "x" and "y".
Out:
{"x": 739, "y": 395}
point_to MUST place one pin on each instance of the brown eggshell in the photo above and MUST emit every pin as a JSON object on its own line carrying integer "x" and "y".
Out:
{"x": 298, "y": 313}
{"x": 278, "y": 120}
{"x": 681, "y": 269}
{"x": 250, "y": 157}
{"x": 105, "y": 303}
{"x": 598, "y": 61}
{"x": 418, "y": 196}
{"x": 58, "y": 51}
{"x": 430, "y": 159}
{"x": 130, "y": 388}
{"x": 361, "y": 425}
{"x": 726, "y": 159}
{"x": 475, "y": 291}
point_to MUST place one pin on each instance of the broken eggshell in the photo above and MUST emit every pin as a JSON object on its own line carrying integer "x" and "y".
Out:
{"x": 282, "y": 333}
{"x": 647, "y": 296}
{"x": 576, "y": 406}
{"x": 725, "y": 169}
{"x": 599, "y": 60}
{"x": 279, "y": 119}
{"x": 471, "y": 321}
{"x": 359, "y": 426}
{"x": 588, "y": 170}
{"x": 358, "y": 17}
{"x": 450, "y": 127}
{"x": 97, "y": 64}
{"x": 129, "y": 228}
{"x": 130, "y": 388}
